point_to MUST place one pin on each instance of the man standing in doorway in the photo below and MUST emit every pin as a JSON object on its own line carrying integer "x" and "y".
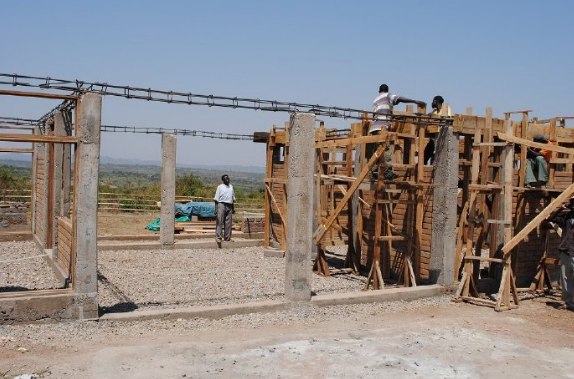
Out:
{"x": 224, "y": 208}
{"x": 383, "y": 111}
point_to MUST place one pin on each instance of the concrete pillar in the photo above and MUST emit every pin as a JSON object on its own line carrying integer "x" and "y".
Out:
{"x": 298, "y": 268}
{"x": 168, "y": 146}
{"x": 59, "y": 130}
{"x": 444, "y": 208}
{"x": 87, "y": 161}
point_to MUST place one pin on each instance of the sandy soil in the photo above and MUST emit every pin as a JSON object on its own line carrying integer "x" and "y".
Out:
{"x": 424, "y": 340}
{"x": 428, "y": 338}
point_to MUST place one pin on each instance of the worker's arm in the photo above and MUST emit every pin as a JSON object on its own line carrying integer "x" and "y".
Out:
{"x": 401, "y": 99}
{"x": 233, "y": 208}
{"x": 532, "y": 153}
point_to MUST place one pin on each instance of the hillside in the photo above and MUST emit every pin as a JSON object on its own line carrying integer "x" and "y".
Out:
{"x": 137, "y": 175}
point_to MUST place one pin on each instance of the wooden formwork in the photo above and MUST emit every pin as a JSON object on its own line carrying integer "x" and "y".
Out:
{"x": 387, "y": 225}
{"x": 51, "y": 182}
{"x": 502, "y": 236}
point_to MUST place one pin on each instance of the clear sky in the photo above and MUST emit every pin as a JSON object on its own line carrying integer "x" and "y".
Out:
{"x": 510, "y": 55}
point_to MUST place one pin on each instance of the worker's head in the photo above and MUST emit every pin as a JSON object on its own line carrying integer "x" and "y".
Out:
{"x": 437, "y": 102}
{"x": 383, "y": 88}
{"x": 225, "y": 179}
{"x": 540, "y": 138}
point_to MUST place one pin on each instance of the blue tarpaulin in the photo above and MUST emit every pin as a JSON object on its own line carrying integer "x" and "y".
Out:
{"x": 154, "y": 225}
{"x": 195, "y": 208}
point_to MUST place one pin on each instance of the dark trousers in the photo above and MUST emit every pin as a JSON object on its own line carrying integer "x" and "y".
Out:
{"x": 223, "y": 221}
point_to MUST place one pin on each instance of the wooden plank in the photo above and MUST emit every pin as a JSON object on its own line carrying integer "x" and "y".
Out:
{"x": 356, "y": 141}
{"x": 322, "y": 229}
{"x": 391, "y": 238}
{"x": 15, "y": 150}
{"x": 38, "y": 95}
{"x": 526, "y": 142}
{"x": 37, "y": 138}
{"x": 555, "y": 204}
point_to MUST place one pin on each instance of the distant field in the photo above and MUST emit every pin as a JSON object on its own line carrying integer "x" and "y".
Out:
{"x": 137, "y": 176}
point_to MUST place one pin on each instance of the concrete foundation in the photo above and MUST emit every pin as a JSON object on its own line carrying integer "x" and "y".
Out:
{"x": 444, "y": 208}
{"x": 298, "y": 274}
{"x": 46, "y": 306}
{"x": 219, "y": 311}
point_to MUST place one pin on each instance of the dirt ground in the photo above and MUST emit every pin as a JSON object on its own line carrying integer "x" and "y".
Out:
{"x": 124, "y": 223}
{"x": 427, "y": 338}
{"x": 446, "y": 341}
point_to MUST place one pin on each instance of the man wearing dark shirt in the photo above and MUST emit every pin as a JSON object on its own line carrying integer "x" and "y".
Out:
{"x": 564, "y": 217}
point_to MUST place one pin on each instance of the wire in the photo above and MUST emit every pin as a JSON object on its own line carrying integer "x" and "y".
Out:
{"x": 77, "y": 87}
{"x": 183, "y": 132}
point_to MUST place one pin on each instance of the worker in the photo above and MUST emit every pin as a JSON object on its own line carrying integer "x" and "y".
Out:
{"x": 383, "y": 111}
{"x": 224, "y": 208}
{"x": 564, "y": 217}
{"x": 437, "y": 110}
{"x": 536, "y": 165}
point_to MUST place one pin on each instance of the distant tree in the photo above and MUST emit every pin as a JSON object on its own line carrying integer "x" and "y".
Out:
{"x": 191, "y": 186}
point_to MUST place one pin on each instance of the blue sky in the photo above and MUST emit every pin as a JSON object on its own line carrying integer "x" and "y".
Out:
{"x": 510, "y": 55}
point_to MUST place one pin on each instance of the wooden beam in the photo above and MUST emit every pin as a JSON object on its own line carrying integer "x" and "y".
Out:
{"x": 507, "y": 248}
{"x": 38, "y": 138}
{"x": 527, "y": 142}
{"x": 354, "y": 141}
{"x": 38, "y": 94}
{"x": 276, "y": 204}
{"x": 15, "y": 150}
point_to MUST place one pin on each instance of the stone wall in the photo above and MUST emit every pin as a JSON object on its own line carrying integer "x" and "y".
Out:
{"x": 13, "y": 215}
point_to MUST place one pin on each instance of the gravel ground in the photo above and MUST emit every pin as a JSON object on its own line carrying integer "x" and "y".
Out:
{"x": 22, "y": 267}
{"x": 67, "y": 334}
{"x": 135, "y": 279}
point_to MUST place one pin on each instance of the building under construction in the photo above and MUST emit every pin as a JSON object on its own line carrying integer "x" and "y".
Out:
{"x": 469, "y": 209}
{"x": 467, "y": 221}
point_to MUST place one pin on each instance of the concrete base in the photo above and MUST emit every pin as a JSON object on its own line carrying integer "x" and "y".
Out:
{"x": 219, "y": 311}
{"x": 273, "y": 253}
{"x": 15, "y": 236}
{"x": 47, "y": 306}
{"x": 203, "y": 244}
{"x": 183, "y": 236}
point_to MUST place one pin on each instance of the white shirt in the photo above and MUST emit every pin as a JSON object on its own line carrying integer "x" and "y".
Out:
{"x": 383, "y": 109}
{"x": 224, "y": 194}
{"x": 445, "y": 111}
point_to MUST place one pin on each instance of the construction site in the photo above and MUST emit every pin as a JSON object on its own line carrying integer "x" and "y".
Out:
{"x": 465, "y": 227}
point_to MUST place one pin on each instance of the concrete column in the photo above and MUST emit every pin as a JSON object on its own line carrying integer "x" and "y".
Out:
{"x": 444, "y": 208}
{"x": 87, "y": 161}
{"x": 168, "y": 146}
{"x": 298, "y": 268}
{"x": 59, "y": 130}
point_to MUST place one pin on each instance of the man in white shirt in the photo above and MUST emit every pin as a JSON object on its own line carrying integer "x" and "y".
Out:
{"x": 383, "y": 111}
{"x": 224, "y": 208}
